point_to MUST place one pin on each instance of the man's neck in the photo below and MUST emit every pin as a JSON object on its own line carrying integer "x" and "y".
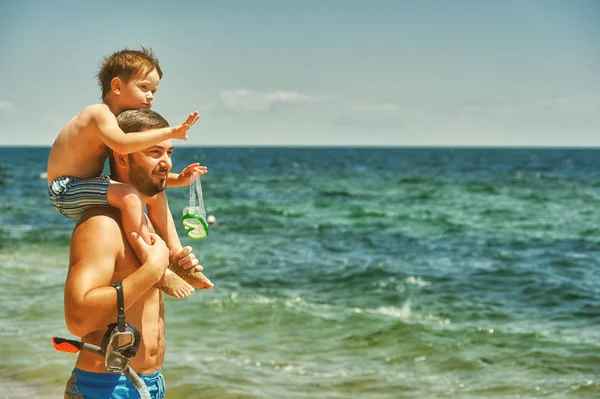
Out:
{"x": 118, "y": 178}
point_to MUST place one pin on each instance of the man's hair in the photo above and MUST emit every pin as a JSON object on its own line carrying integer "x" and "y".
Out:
{"x": 136, "y": 120}
{"x": 127, "y": 64}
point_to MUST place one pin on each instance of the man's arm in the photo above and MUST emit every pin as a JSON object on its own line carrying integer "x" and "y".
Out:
{"x": 90, "y": 301}
{"x": 115, "y": 139}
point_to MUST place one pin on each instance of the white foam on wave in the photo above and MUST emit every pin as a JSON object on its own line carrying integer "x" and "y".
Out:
{"x": 401, "y": 313}
{"x": 405, "y": 312}
{"x": 418, "y": 281}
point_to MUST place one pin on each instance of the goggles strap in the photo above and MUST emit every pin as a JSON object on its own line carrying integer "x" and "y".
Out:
{"x": 120, "y": 305}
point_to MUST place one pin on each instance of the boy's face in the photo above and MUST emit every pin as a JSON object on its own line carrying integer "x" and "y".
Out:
{"x": 138, "y": 93}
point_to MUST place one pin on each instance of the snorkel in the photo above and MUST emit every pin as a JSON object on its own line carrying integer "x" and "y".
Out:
{"x": 120, "y": 343}
{"x": 122, "y": 340}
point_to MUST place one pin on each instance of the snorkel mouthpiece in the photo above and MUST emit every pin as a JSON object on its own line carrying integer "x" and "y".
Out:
{"x": 66, "y": 345}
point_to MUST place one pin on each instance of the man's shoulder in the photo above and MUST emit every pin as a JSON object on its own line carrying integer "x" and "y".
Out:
{"x": 105, "y": 220}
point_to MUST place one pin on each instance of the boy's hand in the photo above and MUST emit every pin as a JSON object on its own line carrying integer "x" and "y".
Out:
{"x": 180, "y": 132}
{"x": 183, "y": 179}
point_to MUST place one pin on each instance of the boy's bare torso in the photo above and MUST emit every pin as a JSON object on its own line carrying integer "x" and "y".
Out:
{"x": 146, "y": 314}
{"x": 78, "y": 150}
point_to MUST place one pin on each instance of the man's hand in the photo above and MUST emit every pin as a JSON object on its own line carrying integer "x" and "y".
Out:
{"x": 186, "y": 259}
{"x": 180, "y": 132}
{"x": 186, "y": 266}
{"x": 156, "y": 254}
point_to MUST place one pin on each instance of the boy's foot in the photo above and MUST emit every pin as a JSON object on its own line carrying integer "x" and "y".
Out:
{"x": 191, "y": 276}
{"x": 173, "y": 285}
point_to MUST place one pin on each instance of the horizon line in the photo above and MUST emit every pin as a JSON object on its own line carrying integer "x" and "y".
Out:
{"x": 315, "y": 146}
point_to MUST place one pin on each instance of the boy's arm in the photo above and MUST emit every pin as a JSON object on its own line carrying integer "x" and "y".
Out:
{"x": 162, "y": 220}
{"x": 173, "y": 180}
{"x": 183, "y": 178}
{"x": 114, "y": 138}
{"x": 90, "y": 301}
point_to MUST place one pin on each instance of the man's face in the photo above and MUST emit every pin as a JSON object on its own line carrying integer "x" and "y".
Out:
{"x": 148, "y": 169}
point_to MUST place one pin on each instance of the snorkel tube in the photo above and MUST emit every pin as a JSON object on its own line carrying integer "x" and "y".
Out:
{"x": 72, "y": 346}
{"x": 120, "y": 343}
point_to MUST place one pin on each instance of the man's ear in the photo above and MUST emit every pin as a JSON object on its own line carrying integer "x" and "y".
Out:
{"x": 120, "y": 159}
{"x": 115, "y": 85}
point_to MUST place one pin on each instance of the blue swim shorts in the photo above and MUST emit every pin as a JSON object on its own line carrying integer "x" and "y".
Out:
{"x": 73, "y": 196}
{"x": 87, "y": 385}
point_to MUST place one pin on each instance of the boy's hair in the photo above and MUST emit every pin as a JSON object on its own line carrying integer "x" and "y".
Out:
{"x": 127, "y": 64}
{"x": 137, "y": 120}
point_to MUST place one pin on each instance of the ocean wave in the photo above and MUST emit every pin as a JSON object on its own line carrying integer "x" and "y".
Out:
{"x": 416, "y": 180}
{"x": 335, "y": 194}
{"x": 359, "y": 212}
{"x": 481, "y": 187}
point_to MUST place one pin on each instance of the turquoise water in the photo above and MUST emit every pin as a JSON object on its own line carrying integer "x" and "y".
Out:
{"x": 347, "y": 273}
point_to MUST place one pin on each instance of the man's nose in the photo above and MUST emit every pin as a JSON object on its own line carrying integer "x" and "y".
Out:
{"x": 166, "y": 162}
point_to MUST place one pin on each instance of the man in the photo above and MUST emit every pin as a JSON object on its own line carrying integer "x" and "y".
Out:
{"x": 101, "y": 255}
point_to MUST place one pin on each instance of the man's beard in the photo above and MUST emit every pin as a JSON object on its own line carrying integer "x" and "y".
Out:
{"x": 142, "y": 180}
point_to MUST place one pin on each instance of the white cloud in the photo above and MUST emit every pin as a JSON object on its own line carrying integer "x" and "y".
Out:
{"x": 6, "y": 106}
{"x": 555, "y": 111}
{"x": 386, "y": 107}
{"x": 246, "y": 100}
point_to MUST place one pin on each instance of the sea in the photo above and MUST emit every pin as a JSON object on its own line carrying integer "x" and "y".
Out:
{"x": 364, "y": 273}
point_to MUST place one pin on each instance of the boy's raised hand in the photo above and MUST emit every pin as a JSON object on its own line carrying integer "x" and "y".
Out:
{"x": 180, "y": 132}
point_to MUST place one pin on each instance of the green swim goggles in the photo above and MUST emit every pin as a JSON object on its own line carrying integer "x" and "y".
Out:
{"x": 195, "y": 225}
{"x": 194, "y": 215}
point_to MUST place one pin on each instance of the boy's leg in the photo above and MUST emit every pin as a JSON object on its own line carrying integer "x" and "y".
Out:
{"x": 127, "y": 199}
{"x": 162, "y": 220}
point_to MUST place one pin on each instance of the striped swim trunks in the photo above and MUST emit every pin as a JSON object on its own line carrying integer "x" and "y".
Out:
{"x": 73, "y": 196}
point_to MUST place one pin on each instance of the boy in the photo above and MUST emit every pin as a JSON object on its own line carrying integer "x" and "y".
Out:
{"x": 128, "y": 79}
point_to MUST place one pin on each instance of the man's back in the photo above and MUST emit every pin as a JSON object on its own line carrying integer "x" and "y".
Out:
{"x": 100, "y": 255}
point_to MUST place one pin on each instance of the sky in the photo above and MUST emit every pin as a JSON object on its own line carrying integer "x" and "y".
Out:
{"x": 318, "y": 72}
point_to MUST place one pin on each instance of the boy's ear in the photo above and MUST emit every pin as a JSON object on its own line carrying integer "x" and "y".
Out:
{"x": 115, "y": 85}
